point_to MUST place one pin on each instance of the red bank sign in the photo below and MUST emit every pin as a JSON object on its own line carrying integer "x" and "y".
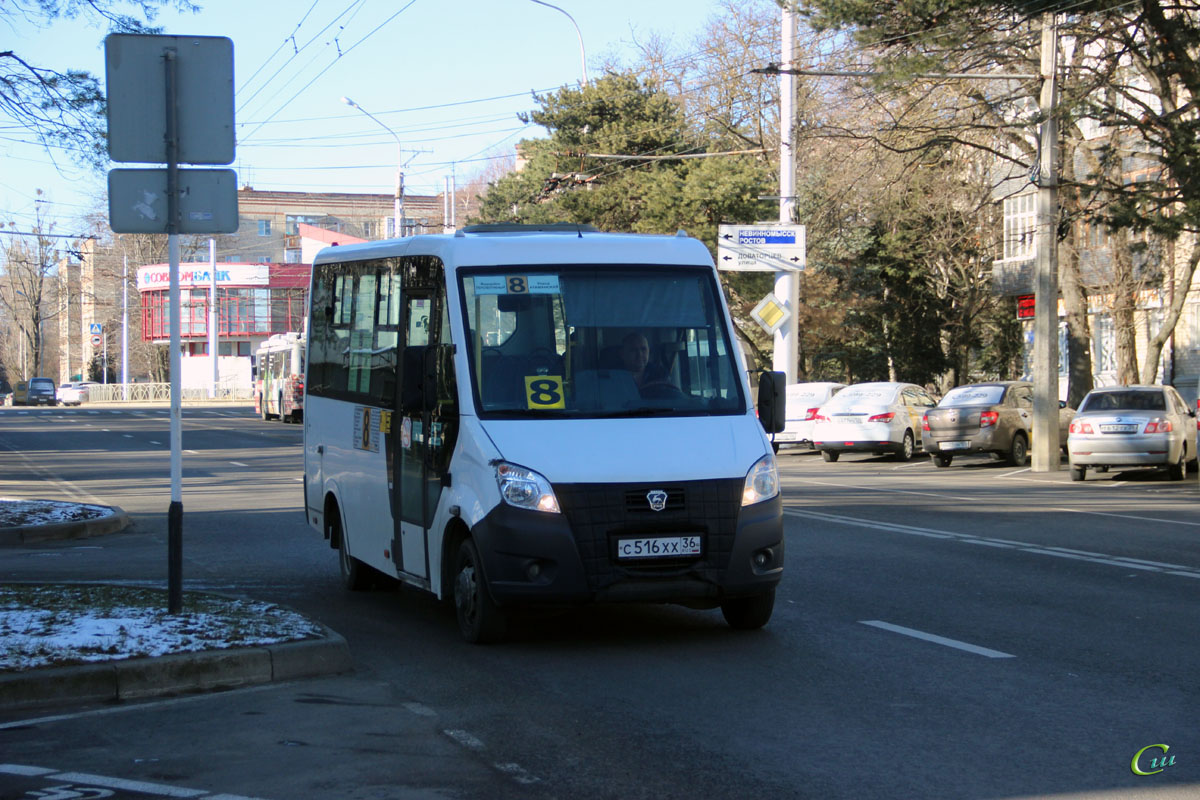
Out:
{"x": 1025, "y": 306}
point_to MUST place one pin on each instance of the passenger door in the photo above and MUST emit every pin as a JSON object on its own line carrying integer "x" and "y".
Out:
{"x": 425, "y": 426}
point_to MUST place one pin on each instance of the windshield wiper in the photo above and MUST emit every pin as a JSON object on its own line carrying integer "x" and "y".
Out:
{"x": 641, "y": 411}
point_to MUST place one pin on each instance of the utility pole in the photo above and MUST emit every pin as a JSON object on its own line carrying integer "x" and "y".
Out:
{"x": 1045, "y": 446}
{"x": 787, "y": 283}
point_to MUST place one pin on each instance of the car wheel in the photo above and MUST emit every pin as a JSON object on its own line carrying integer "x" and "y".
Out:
{"x": 1018, "y": 454}
{"x": 829, "y": 455}
{"x": 355, "y": 574}
{"x": 1078, "y": 473}
{"x": 749, "y": 613}
{"x": 940, "y": 460}
{"x": 1178, "y": 470}
{"x": 907, "y": 447}
{"x": 479, "y": 618}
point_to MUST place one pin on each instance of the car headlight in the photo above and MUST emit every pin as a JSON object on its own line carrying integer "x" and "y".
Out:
{"x": 525, "y": 488}
{"x": 762, "y": 481}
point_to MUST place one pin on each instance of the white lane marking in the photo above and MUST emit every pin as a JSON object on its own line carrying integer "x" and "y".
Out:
{"x": 514, "y": 771}
{"x": 1017, "y": 472}
{"x": 238, "y": 464}
{"x": 66, "y": 487}
{"x": 127, "y": 435}
{"x": 975, "y": 500}
{"x": 420, "y": 709}
{"x": 129, "y": 786}
{"x": 1043, "y": 550}
{"x": 465, "y": 739}
{"x": 942, "y": 640}
{"x": 517, "y": 773}
{"x": 18, "y": 769}
{"x": 154, "y": 442}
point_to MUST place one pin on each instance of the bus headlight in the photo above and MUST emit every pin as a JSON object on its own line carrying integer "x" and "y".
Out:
{"x": 524, "y": 488}
{"x": 762, "y": 481}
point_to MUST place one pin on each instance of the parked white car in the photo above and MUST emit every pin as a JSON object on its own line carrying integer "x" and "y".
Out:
{"x": 883, "y": 417}
{"x": 74, "y": 393}
{"x": 804, "y": 400}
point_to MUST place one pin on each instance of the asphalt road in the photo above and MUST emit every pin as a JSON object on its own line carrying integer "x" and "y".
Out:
{"x": 971, "y": 632}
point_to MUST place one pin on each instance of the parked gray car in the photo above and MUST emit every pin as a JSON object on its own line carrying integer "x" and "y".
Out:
{"x": 994, "y": 417}
{"x": 1132, "y": 426}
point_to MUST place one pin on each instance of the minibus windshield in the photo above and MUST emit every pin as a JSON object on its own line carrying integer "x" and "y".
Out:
{"x": 598, "y": 341}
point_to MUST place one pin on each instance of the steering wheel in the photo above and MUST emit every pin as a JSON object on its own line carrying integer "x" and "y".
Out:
{"x": 661, "y": 389}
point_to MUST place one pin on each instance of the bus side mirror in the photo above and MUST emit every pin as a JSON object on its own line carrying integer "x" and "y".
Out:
{"x": 771, "y": 401}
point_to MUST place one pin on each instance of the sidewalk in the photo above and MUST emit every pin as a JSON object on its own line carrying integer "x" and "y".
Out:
{"x": 290, "y": 655}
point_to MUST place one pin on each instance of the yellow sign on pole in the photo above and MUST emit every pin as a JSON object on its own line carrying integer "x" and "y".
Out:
{"x": 770, "y": 313}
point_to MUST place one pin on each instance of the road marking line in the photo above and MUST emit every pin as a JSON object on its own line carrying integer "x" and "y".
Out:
{"x": 129, "y": 786}
{"x": 1124, "y": 562}
{"x": 238, "y": 464}
{"x": 976, "y": 500}
{"x": 465, "y": 739}
{"x": 18, "y": 769}
{"x": 1015, "y": 472}
{"x": 942, "y": 640}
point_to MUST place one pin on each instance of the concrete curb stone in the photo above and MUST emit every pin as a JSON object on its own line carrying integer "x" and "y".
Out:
{"x": 178, "y": 673}
{"x": 115, "y": 520}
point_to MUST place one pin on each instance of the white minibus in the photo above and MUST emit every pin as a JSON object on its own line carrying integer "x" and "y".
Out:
{"x": 514, "y": 416}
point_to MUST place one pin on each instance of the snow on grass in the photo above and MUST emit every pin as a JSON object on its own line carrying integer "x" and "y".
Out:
{"x": 15, "y": 513}
{"x": 78, "y": 624}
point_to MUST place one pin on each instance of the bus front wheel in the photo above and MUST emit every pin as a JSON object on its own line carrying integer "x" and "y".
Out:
{"x": 479, "y": 618}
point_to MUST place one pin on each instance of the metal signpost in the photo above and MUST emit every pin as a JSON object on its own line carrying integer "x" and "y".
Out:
{"x": 170, "y": 100}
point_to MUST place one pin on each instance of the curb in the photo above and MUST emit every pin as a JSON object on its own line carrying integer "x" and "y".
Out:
{"x": 180, "y": 673}
{"x": 112, "y": 522}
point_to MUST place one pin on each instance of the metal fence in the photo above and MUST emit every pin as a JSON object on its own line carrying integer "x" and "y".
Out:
{"x": 161, "y": 392}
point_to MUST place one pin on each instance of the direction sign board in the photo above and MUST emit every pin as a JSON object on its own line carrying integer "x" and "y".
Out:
{"x": 137, "y": 201}
{"x": 765, "y": 247}
{"x": 136, "y": 82}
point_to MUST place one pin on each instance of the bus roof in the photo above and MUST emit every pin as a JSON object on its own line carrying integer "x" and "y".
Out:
{"x": 500, "y": 245}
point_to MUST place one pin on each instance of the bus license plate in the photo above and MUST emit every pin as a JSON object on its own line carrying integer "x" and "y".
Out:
{"x": 658, "y": 547}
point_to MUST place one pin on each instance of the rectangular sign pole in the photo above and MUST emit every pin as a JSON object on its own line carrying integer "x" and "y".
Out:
{"x": 175, "y": 510}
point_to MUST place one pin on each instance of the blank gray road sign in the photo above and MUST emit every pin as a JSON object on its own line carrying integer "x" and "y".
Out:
{"x": 136, "y": 85}
{"x": 137, "y": 200}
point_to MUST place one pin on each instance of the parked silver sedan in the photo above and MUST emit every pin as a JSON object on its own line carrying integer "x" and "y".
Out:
{"x": 1132, "y": 426}
{"x": 994, "y": 417}
{"x": 883, "y": 417}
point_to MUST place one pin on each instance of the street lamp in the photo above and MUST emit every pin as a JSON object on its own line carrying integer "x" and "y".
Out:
{"x": 399, "y": 208}
{"x": 582, "y": 53}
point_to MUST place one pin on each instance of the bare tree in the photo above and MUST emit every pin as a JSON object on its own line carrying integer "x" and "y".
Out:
{"x": 28, "y": 293}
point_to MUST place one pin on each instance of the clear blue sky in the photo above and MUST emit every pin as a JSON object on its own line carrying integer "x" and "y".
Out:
{"x": 476, "y": 59}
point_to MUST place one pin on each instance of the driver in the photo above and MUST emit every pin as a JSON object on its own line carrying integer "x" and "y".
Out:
{"x": 635, "y": 356}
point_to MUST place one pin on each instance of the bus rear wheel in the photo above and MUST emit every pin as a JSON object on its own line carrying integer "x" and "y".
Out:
{"x": 355, "y": 574}
{"x": 479, "y": 618}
